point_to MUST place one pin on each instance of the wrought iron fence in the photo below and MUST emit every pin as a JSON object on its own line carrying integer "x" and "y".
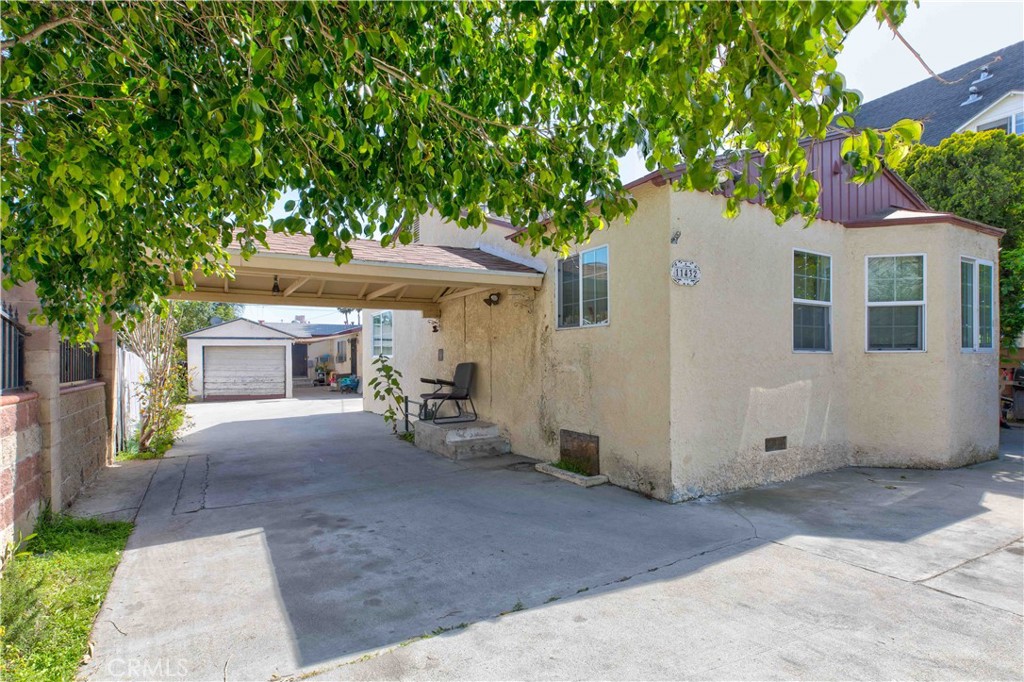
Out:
{"x": 77, "y": 363}
{"x": 13, "y": 348}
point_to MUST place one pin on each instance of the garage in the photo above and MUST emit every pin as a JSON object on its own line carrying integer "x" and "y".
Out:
{"x": 244, "y": 371}
{"x": 239, "y": 359}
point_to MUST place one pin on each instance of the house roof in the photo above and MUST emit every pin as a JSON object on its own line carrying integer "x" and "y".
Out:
{"x": 366, "y": 251}
{"x": 275, "y": 332}
{"x": 940, "y": 105}
{"x": 304, "y": 330}
{"x": 840, "y": 200}
{"x": 900, "y": 216}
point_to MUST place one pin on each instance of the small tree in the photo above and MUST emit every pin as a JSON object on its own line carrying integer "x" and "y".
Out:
{"x": 387, "y": 387}
{"x": 153, "y": 338}
{"x": 980, "y": 176}
{"x": 346, "y": 312}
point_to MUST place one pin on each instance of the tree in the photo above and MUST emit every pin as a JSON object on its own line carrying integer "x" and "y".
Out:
{"x": 142, "y": 139}
{"x": 980, "y": 176}
{"x": 193, "y": 315}
{"x": 153, "y": 337}
{"x": 346, "y": 312}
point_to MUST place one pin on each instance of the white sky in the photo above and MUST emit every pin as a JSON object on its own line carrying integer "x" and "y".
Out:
{"x": 873, "y": 61}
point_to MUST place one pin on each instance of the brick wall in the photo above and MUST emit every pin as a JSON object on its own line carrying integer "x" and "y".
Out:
{"x": 83, "y": 429}
{"x": 21, "y": 466}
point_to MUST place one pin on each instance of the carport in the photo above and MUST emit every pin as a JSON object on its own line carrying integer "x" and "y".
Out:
{"x": 411, "y": 277}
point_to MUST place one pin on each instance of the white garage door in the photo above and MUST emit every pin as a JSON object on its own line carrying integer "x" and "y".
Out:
{"x": 243, "y": 371}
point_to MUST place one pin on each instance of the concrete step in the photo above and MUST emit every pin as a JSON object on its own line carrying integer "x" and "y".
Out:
{"x": 462, "y": 441}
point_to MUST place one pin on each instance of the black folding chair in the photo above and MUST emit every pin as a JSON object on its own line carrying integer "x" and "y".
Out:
{"x": 457, "y": 394}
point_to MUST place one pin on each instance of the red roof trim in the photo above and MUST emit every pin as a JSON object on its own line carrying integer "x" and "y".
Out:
{"x": 942, "y": 218}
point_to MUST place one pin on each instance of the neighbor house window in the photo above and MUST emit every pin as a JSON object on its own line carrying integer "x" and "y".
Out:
{"x": 1014, "y": 123}
{"x": 976, "y": 309}
{"x": 812, "y": 302}
{"x": 383, "y": 335}
{"x": 342, "y": 355}
{"x": 583, "y": 289}
{"x": 895, "y": 303}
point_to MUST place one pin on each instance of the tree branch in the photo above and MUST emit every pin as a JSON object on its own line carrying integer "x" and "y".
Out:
{"x": 36, "y": 32}
{"x": 917, "y": 55}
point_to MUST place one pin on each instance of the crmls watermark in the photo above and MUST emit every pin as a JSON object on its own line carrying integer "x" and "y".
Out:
{"x": 148, "y": 669}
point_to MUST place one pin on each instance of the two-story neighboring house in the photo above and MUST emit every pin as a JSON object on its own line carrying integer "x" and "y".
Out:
{"x": 983, "y": 94}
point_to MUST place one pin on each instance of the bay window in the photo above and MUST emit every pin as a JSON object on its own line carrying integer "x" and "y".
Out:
{"x": 896, "y": 303}
{"x": 976, "y": 309}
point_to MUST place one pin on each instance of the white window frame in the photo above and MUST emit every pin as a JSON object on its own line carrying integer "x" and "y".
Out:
{"x": 888, "y": 304}
{"x": 976, "y": 307}
{"x": 1012, "y": 121}
{"x": 803, "y": 301}
{"x": 558, "y": 289}
{"x": 373, "y": 334}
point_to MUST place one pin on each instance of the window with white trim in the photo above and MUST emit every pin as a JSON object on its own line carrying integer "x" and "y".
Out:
{"x": 812, "y": 302}
{"x": 1014, "y": 123}
{"x": 342, "y": 348}
{"x": 895, "y": 303}
{"x": 383, "y": 334}
{"x": 977, "y": 283}
{"x": 583, "y": 289}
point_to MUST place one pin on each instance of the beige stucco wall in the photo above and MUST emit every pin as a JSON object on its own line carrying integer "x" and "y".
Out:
{"x": 330, "y": 347}
{"x": 685, "y": 383}
{"x": 735, "y": 377}
{"x": 533, "y": 379}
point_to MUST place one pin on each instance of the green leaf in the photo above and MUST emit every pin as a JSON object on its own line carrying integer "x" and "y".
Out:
{"x": 908, "y": 129}
{"x": 239, "y": 153}
{"x": 262, "y": 59}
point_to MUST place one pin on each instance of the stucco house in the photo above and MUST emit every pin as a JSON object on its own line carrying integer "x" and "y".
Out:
{"x": 701, "y": 355}
{"x": 331, "y": 347}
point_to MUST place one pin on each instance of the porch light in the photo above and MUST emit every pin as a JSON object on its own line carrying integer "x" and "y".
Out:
{"x": 276, "y": 291}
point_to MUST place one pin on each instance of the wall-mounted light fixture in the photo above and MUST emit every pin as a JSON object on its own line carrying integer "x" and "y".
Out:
{"x": 493, "y": 299}
{"x": 276, "y": 291}
{"x": 675, "y": 237}
{"x": 434, "y": 324}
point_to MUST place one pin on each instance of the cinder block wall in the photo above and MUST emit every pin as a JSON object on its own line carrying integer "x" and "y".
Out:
{"x": 21, "y": 466}
{"x": 83, "y": 428}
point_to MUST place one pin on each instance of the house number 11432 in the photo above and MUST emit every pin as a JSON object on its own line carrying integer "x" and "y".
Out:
{"x": 685, "y": 272}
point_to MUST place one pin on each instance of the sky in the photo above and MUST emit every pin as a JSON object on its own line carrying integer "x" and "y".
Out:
{"x": 873, "y": 61}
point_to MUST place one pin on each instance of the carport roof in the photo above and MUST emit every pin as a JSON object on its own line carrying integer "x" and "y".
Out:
{"x": 405, "y": 277}
{"x": 425, "y": 255}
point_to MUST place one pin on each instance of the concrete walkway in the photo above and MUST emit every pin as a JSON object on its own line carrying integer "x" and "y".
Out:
{"x": 298, "y": 536}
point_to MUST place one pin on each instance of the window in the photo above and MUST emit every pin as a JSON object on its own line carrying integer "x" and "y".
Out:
{"x": 1014, "y": 123}
{"x": 1004, "y": 124}
{"x": 976, "y": 309}
{"x": 342, "y": 354}
{"x": 383, "y": 335}
{"x": 812, "y": 302}
{"x": 895, "y": 303}
{"x": 583, "y": 289}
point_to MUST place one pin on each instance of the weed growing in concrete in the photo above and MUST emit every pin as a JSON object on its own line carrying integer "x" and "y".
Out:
{"x": 571, "y": 467}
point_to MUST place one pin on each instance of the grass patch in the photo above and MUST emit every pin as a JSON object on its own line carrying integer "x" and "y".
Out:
{"x": 52, "y": 595}
{"x": 408, "y": 437}
{"x": 572, "y": 467}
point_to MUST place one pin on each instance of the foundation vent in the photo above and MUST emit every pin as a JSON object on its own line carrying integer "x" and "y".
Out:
{"x": 774, "y": 443}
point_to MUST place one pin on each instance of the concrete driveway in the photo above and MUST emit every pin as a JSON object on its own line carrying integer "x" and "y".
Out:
{"x": 298, "y": 537}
